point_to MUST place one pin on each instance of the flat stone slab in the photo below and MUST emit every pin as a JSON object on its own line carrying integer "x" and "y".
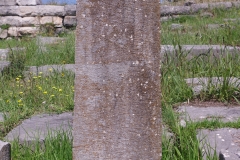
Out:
{"x": 38, "y": 127}
{"x": 52, "y": 68}
{"x": 3, "y": 54}
{"x": 43, "y": 41}
{"x": 199, "y": 84}
{"x": 195, "y": 50}
{"x": 3, "y": 64}
{"x": 200, "y": 113}
{"x": 226, "y": 141}
{"x": 49, "y": 40}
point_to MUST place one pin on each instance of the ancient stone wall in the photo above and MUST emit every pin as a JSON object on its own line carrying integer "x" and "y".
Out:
{"x": 24, "y": 17}
{"x": 21, "y": 17}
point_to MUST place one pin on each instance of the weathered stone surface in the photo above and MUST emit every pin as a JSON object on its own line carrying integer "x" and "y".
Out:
{"x": 197, "y": 7}
{"x": 70, "y": 21}
{"x": 236, "y": 4}
{"x": 199, "y": 84}
{"x": 48, "y": 68}
{"x": 224, "y": 140}
{"x": 206, "y": 14}
{"x": 3, "y": 33}
{"x": 13, "y": 32}
{"x": 42, "y": 41}
{"x": 231, "y": 19}
{"x": 165, "y": 18}
{"x": 214, "y": 26}
{"x": 20, "y": 31}
{"x": 171, "y": 10}
{"x": 3, "y": 54}
{"x": 39, "y": 126}
{"x": 200, "y": 113}
{"x": 57, "y": 21}
{"x": 195, "y": 50}
{"x": 3, "y": 64}
{"x": 28, "y": 11}
{"x": 117, "y": 112}
{"x": 8, "y": 2}
{"x": 5, "y": 150}
{"x": 50, "y": 10}
{"x": 11, "y": 20}
{"x": 70, "y": 10}
{"x": 16, "y": 21}
{"x": 176, "y": 26}
{"x": 28, "y": 2}
{"x": 223, "y": 5}
{"x": 30, "y": 21}
{"x": 28, "y": 31}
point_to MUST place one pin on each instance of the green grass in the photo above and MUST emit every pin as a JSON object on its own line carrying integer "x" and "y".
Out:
{"x": 22, "y": 97}
{"x": 56, "y": 146}
{"x": 195, "y": 29}
{"x": 176, "y": 68}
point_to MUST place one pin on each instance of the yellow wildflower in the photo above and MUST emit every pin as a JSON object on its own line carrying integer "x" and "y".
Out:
{"x": 45, "y": 92}
{"x": 20, "y": 92}
{"x": 52, "y": 96}
{"x": 60, "y": 90}
{"x": 19, "y": 101}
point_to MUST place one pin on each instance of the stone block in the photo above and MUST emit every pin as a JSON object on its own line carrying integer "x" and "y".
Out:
{"x": 30, "y": 21}
{"x": 28, "y": 31}
{"x": 16, "y": 21}
{"x": 28, "y": 11}
{"x": 39, "y": 126}
{"x": 176, "y": 26}
{"x": 9, "y": 10}
{"x": 50, "y": 10}
{"x": 70, "y": 10}
{"x": 197, "y": 7}
{"x": 11, "y": 20}
{"x": 3, "y": 34}
{"x": 70, "y": 21}
{"x": 20, "y": 31}
{"x": 236, "y": 4}
{"x": 175, "y": 10}
{"x": 225, "y": 141}
{"x": 13, "y": 32}
{"x": 223, "y": 5}
{"x": 57, "y": 21}
{"x": 5, "y": 151}
{"x": 28, "y": 2}
{"x": 197, "y": 113}
{"x": 8, "y": 2}
{"x": 4, "y": 64}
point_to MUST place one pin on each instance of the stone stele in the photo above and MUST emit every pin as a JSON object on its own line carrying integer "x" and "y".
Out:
{"x": 117, "y": 113}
